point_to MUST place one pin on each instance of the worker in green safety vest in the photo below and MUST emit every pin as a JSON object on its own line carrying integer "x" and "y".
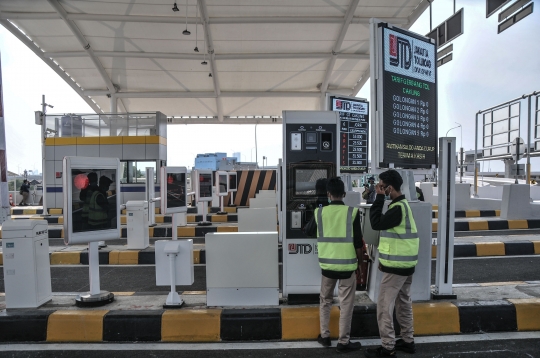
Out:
{"x": 339, "y": 244}
{"x": 398, "y": 255}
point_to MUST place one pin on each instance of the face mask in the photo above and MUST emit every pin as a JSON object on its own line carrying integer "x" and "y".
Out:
{"x": 329, "y": 201}
{"x": 387, "y": 197}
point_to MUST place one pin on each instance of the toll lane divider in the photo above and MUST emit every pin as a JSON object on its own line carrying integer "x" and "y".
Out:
{"x": 285, "y": 323}
{"x": 481, "y": 225}
{"x": 470, "y": 213}
{"x": 59, "y": 211}
{"x": 147, "y": 256}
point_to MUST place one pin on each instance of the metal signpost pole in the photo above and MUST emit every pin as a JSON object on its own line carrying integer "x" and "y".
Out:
{"x": 476, "y": 156}
{"x": 4, "y": 195}
{"x": 445, "y": 228}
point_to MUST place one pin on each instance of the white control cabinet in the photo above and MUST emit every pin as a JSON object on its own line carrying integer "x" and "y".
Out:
{"x": 27, "y": 271}
{"x": 137, "y": 225}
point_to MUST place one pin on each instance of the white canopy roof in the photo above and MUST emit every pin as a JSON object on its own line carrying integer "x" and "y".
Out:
{"x": 264, "y": 56}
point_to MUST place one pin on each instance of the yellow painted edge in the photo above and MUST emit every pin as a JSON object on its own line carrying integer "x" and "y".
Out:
{"x": 113, "y": 257}
{"x": 133, "y": 140}
{"x": 227, "y": 229}
{"x": 157, "y": 210}
{"x": 123, "y": 220}
{"x": 87, "y": 140}
{"x": 190, "y": 218}
{"x": 435, "y": 207}
{"x": 110, "y": 140}
{"x": 299, "y": 323}
{"x": 123, "y": 293}
{"x": 196, "y": 256}
{"x": 62, "y": 234}
{"x": 65, "y": 258}
{"x": 75, "y": 326}
{"x": 65, "y": 141}
{"x": 186, "y": 231}
{"x": 49, "y": 141}
{"x": 472, "y": 213}
{"x": 160, "y": 219}
{"x": 151, "y": 232}
{"x": 130, "y": 257}
{"x": 191, "y": 325}
{"x": 478, "y": 225}
{"x": 490, "y": 249}
{"x": 1, "y": 259}
{"x": 29, "y": 211}
{"x": 518, "y": 224}
{"x": 435, "y": 318}
{"x": 434, "y": 226}
{"x": 497, "y": 213}
{"x": 527, "y": 313}
{"x": 219, "y": 218}
{"x": 61, "y": 220}
{"x": 433, "y": 251}
{"x": 123, "y": 212}
{"x": 536, "y": 247}
{"x": 152, "y": 139}
{"x": 230, "y": 209}
{"x": 56, "y": 211}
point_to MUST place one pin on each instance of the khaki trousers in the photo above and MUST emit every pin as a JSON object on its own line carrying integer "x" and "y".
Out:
{"x": 395, "y": 292}
{"x": 346, "y": 290}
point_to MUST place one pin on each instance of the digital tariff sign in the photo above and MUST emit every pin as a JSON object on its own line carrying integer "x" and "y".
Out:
{"x": 353, "y": 136}
{"x": 409, "y": 100}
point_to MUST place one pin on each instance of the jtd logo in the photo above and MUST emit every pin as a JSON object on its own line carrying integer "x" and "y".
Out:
{"x": 300, "y": 249}
{"x": 400, "y": 52}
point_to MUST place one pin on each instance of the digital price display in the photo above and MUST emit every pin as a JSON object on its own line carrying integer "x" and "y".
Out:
{"x": 173, "y": 190}
{"x": 205, "y": 186}
{"x": 409, "y": 100}
{"x": 232, "y": 182}
{"x": 354, "y": 129}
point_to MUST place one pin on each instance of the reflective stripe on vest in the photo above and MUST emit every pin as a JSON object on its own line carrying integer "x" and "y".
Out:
{"x": 96, "y": 215}
{"x": 336, "y": 252}
{"x": 398, "y": 246}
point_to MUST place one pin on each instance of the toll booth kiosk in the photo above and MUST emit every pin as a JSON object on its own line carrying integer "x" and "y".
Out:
{"x": 310, "y": 153}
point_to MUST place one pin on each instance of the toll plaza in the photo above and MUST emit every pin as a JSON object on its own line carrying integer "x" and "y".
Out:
{"x": 127, "y": 248}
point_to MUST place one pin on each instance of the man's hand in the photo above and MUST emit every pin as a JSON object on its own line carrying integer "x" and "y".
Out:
{"x": 379, "y": 188}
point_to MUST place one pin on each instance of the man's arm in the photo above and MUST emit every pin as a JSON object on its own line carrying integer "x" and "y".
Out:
{"x": 380, "y": 221}
{"x": 311, "y": 228}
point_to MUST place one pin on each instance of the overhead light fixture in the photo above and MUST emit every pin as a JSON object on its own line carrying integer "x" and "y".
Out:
{"x": 175, "y": 8}
{"x": 196, "y": 49}
{"x": 186, "y": 32}
{"x": 204, "y": 63}
{"x": 210, "y": 74}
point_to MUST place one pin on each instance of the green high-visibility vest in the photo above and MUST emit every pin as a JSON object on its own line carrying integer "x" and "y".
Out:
{"x": 398, "y": 246}
{"x": 335, "y": 242}
{"x": 96, "y": 214}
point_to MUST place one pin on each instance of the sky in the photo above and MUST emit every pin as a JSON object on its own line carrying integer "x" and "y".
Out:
{"x": 487, "y": 69}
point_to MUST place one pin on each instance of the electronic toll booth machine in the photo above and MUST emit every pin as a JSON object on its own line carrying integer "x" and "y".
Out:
{"x": 310, "y": 153}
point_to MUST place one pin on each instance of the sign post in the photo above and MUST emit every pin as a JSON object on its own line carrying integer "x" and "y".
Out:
{"x": 517, "y": 150}
{"x": 404, "y": 77}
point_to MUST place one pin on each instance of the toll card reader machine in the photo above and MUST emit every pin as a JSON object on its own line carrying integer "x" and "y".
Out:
{"x": 310, "y": 153}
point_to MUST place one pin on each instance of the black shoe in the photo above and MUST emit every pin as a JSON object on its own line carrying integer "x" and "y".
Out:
{"x": 349, "y": 347}
{"x": 325, "y": 342}
{"x": 379, "y": 352}
{"x": 401, "y": 345}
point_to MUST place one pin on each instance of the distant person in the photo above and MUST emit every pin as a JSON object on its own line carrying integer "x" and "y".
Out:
{"x": 369, "y": 194}
{"x": 398, "y": 256}
{"x": 25, "y": 192}
{"x": 419, "y": 194}
{"x": 85, "y": 196}
{"x": 339, "y": 242}
{"x": 98, "y": 211}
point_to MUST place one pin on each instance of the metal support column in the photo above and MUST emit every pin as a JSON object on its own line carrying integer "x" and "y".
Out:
{"x": 444, "y": 268}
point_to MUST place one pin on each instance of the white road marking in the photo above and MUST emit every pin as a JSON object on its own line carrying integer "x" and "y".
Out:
{"x": 140, "y": 346}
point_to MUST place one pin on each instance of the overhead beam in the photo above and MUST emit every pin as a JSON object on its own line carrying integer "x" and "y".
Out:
{"x": 416, "y": 13}
{"x": 227, "y": 120}
{"x": 337, "y": 47}
{"x": 185, "y": 94}
{"x": 34, "y": 48}
{"x": 84, "y": 43}
{"x": 193, "y": 20}
{"x": 212, "y": 57}
{"x": 218, "y": 57}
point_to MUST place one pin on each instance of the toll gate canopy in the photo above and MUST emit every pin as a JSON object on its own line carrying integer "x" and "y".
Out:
{"x": 254, "y": 57}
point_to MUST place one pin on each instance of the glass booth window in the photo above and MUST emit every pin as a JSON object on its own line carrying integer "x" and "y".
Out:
{"x": 134, "y": 172}
{"x": 94, "y": 205}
